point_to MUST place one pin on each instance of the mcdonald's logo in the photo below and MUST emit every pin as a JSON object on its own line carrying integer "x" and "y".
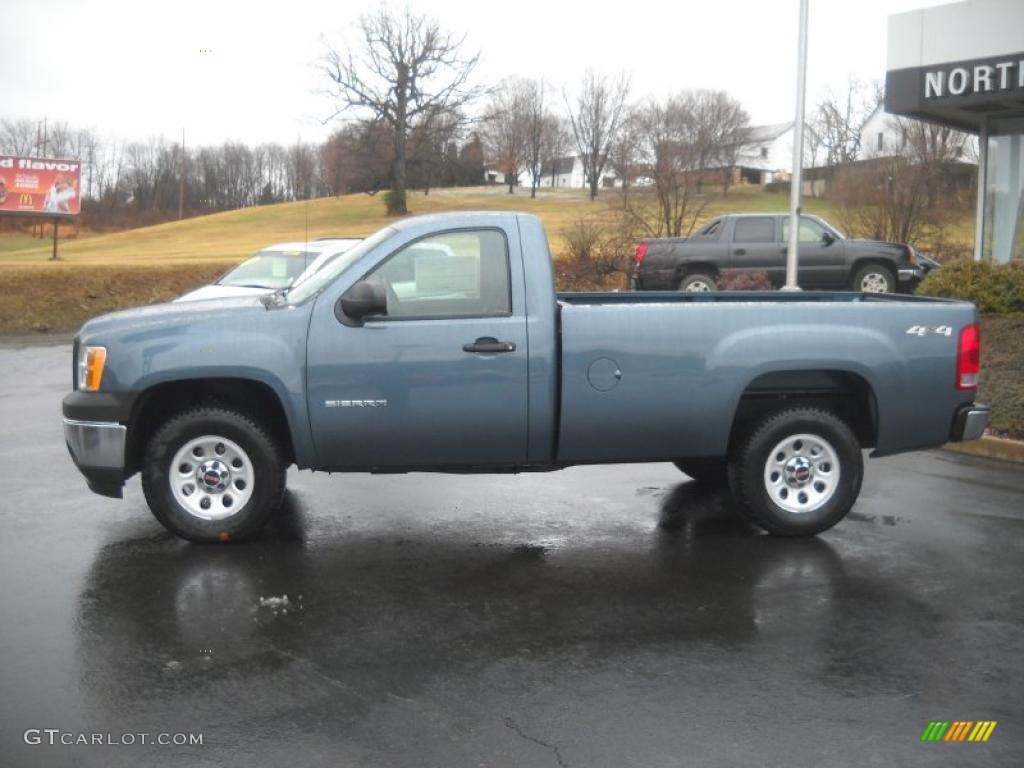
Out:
{"x": 958, "y": 730}
{"x": 24, "y": 199}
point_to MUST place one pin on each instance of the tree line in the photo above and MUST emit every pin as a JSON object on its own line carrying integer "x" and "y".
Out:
{"x": 413, "y": 116}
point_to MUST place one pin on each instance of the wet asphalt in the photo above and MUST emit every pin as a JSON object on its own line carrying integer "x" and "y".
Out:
{"x": 599, "y": 616}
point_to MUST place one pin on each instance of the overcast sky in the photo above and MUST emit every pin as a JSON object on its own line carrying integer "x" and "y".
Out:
{"x": 135, "y": 69}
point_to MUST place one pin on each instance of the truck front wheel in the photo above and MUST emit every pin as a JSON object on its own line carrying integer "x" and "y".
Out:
{"x": 213, "y": 474}
{"x": 798, "y": 472}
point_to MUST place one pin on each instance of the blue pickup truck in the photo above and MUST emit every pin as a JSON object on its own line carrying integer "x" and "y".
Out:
{"x": 439, "y": 344}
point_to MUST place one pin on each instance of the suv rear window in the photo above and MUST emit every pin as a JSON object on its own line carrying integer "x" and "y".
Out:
{"x": 754, "y": 229}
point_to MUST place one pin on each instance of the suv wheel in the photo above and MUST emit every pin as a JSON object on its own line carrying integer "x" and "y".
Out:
{"x": 798, "y": 473}
{"x": 213, "y": 474}
{"x": 874, "y": 278}
{"x": 698, "y": 282}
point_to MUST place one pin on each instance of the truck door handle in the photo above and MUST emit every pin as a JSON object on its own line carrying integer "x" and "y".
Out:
{"x": 489, "y": 344}
{"x": 740, "y": 252}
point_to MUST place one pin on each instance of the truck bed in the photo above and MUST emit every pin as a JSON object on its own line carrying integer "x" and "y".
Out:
{"x": 660, "y": 374}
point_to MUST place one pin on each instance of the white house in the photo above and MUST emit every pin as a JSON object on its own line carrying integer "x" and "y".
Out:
{"x": 766, "y": 153}
{"x": 564, "y": 172}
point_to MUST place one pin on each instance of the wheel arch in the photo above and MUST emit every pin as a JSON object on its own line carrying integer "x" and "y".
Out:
{"x": 845, "y": 393}
{"x": 159, "y": 402}
{"x": 882, "y": 261}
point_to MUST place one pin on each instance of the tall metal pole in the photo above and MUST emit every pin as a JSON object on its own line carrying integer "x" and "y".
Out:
{"x": 796, "y": 178}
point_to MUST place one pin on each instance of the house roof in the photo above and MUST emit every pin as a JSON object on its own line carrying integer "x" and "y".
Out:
{"x": 759, "y": 133}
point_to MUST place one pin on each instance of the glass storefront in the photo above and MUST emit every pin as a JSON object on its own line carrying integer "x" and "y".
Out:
{"x": 1003, "y": 233}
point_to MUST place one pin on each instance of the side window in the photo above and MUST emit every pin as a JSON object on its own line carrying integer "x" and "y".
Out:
{"x": 754, "y": 229}
{"x": 452, "y": 274}
{"x": 810, "y": 231}
{"x": 711, "y": 230}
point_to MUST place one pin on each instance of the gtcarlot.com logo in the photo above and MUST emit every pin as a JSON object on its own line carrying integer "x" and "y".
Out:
{"x": 56, "y": 737}
{"x": 958, "y": 730}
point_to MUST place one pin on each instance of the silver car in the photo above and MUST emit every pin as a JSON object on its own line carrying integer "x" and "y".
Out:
{"x": 274, "y": 267}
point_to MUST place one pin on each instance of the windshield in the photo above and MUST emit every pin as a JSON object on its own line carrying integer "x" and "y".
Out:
{"x": 269, "y": 269}
{"x": 326, "y": 274}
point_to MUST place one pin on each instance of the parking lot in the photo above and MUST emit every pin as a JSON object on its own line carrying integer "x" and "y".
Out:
{"x": 600, "y": 616}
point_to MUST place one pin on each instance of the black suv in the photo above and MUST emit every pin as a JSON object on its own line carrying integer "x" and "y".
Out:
{"x": 757, "y": 243}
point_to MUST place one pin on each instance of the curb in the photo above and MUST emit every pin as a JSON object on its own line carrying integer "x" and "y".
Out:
{"x": 990, "y": 447}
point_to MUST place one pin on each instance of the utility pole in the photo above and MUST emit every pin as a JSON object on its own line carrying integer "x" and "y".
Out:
{"x": 796, "y": 177}
{"x": 181, "y": 177}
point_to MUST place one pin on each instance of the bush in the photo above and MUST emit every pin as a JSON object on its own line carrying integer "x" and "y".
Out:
{"x": 777, "y": 187}
{"x": 395, "y": 203}
{"x": 995, "y": 289}
{"x": 735, "y": 280}
{"x": 599, "y": 253}
{"x": 1002, "y": 373}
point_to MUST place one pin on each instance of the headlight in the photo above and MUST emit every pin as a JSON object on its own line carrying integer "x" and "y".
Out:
{"x": 90, "y": 367}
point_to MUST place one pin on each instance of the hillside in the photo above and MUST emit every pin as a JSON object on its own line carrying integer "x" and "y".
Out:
{"x": 230, "y": 236}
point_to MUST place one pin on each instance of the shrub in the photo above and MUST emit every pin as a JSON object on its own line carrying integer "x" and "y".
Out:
{"x": 994, "y": 288}
{"x": 735, "y": 280}
{"x": 598, "y": 254}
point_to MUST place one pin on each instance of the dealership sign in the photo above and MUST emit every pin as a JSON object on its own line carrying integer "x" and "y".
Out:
{"x": 961, "y": 80}
{"x": 958, "y": 93}
{"x": 46, "y": 186}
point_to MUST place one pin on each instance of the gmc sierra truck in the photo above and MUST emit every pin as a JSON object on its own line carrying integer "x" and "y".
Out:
{"x": 756, "y": 242}
{"x": 439, "y": 344}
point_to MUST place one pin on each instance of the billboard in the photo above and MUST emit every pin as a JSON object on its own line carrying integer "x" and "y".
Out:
{"x": 40, "y": 185}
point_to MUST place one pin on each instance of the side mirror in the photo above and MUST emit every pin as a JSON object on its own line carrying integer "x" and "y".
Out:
{"x": 363, "y": 300}
{"x": 827, "y": 238}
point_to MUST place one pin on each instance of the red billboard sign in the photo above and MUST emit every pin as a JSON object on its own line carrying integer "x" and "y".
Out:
{"x": 40, "y": 185}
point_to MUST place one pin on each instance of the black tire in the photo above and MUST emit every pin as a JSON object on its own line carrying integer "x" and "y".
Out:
{"x": 750, "y": 473}
{"x": 698, "y": 281}
{"x": 267, "y": 477}
{"x": 705, "y": 471}
{"x": 872, "y": 277}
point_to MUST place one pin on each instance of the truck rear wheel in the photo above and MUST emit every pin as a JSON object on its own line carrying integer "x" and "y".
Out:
{"x": 213, "y": 474}
{"x": 798, "y": 473}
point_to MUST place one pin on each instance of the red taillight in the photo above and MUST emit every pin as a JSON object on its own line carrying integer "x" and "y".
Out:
{"x": 641, "y": 253}
{"x": 968, "y": 357}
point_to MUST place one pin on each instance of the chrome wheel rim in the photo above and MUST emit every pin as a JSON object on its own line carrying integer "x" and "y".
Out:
{"x": 696, "y": 286}
{"x": 874, "y": 282}
{"x": 211, "y": 477}
{"x": 801, "y": 473}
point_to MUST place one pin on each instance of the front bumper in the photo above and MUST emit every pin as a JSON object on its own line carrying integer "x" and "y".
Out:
{"x": 98, "y": 448}
{"x": 909, "y": 277}
{"x": 969, "y": 423}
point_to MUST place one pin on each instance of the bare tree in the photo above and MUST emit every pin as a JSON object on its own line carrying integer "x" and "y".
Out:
{"x": 595, "y": 122}
{"x": 506, "y": 128}
{"x": 409, "y": 70}
{"x": 537, "y": 133}
{"x": 898, "y": 196}
{"x": 556, "y": 143}
{"x": 838, "y": 121}
{"x": 717, "y": 127}
{"x": 18, "y": 137}
{"x": 673, "y": 155}
{"x": 626, "y": 149}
